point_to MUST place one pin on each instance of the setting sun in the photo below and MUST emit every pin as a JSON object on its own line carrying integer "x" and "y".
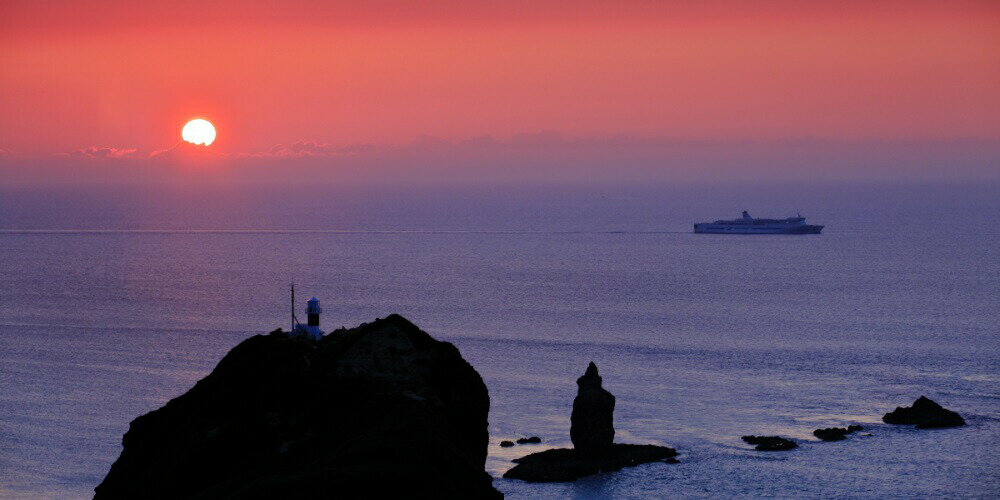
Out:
{"x": 199, "y": 131}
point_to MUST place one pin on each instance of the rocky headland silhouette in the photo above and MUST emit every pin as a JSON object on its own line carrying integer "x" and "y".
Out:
{"x": 378, "y": 411}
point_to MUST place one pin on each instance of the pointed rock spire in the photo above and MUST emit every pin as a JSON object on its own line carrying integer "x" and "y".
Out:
{"x": 592, "y": 422}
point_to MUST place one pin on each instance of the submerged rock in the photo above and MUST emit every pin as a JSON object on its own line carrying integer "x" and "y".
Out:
{"x": 592, "y": 430}
{"x": 566, "y": 464}
{"x": 926, "y": 414}
{"x": 770, "y": 443}
{"x": 592, "y": 427}
{"x": 376, "y": 411}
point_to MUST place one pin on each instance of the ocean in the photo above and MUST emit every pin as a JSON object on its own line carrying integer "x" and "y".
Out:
{"x": 115, "y": 299}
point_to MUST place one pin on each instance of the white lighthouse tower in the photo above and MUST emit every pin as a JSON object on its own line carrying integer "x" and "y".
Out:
{"x": 311, "y": 328}
{"x": 312, "y": 318}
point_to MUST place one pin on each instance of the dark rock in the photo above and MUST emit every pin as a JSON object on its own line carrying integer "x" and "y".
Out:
{"x": 506, "y": 444}
{"x": 672, "y": 460}
{"x": 770, "y": 443}
{"x": 926, "y": 414}
{"x": 836, "y": 433}
{"x": 592, "y": 426}
{"x": 592, "y": 430}
{"x": 565, "y": 464}
{"x": 382, "y": 410}
{"x": 530, "y": 440}
{"x": 831, "y": 433}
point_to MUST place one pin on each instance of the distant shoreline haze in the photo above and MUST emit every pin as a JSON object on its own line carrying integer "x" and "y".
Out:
{"x": 526, "y": 159}
{"x": 842, "y": 205}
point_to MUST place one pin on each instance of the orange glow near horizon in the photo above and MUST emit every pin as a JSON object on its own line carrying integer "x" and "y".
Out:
{"x": 114, "y": 73}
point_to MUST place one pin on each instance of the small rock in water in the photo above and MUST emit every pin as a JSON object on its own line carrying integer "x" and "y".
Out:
{"x": 530, "y": 440}
{"x": 770, "y": 443}
{"x": 854, "y": 428}
{"x": 832, "y": 433}
{"x": 672, "y": 460}
{"x": 506, "y": 444}
{"x": 926, "y": 414}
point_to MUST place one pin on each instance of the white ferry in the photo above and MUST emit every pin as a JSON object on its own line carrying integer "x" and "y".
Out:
{"x": 749, "y": 225}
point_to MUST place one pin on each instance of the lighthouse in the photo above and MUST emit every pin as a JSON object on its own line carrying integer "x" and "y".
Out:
{"x": 312, "y": 318}
{"x": 311, "y": 328}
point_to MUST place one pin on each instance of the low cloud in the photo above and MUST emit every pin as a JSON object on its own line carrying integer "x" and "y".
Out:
{"x": 184, "y": 151}
{"x": 106, "y": 152}
{"x": 304, "y": 148}
{"x": 311, "y": 149}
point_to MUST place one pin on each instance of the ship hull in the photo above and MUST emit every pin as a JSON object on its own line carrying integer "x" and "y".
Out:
{"x": 706, "y": 228}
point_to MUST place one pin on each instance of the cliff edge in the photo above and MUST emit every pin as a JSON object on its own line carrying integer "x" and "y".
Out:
{"x": 378, "y": 410}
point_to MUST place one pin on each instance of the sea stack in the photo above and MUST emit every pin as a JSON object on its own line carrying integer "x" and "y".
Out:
{"x": 592, "y": 423}
{"x": 592, "y": 431}
{"x": 378, "y": 411}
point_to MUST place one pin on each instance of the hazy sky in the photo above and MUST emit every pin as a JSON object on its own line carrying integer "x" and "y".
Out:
{"x": 104, "y": 78}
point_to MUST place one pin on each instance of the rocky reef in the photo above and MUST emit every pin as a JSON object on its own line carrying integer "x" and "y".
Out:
{"x": 506, "y": 443}
{"x": 592, "y": 432}
{"x": 836, "y": 433}
{"x": 568, "y": 464}
{"x": 925, "y": 414}
{"x": 381, "y": 410}
{"x": 770, "y": 443}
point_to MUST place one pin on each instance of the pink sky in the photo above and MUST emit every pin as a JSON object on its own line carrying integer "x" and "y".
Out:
{"x": 126, "y": 75}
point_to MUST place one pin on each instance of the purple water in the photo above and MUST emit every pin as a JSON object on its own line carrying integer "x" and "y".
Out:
{"x": 114, "y": 300}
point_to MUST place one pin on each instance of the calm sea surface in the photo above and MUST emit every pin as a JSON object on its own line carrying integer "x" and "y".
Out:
{"x": 114, "y": 300}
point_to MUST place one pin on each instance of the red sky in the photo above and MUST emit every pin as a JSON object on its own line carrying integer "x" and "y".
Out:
{"x": 126, "y": 74}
